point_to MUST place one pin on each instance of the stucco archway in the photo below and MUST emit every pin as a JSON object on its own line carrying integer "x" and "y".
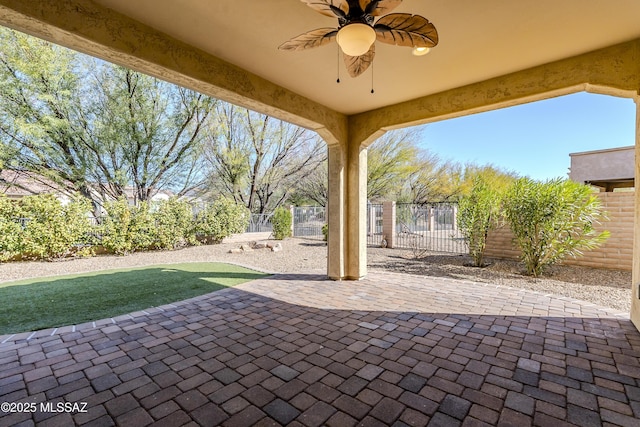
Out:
{"x": 112, "y": 30}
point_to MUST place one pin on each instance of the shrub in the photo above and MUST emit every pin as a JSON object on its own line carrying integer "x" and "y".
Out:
{"x": 52, "y": 229}
{"x": 173, "y": 222}
{"x": 115, "y": 227}
{"x": 142, "y": 227}
{"x": 478, "y": 213}
{"x": 11, "y": 239}
{"x": 234, "y": 218}
{"x": 325, "y": 232}
{"x": 281, "y": 221}
{"x": 127, "y": 228}
{"x": 552, "y": 220}
{"x": 221, "y": 219}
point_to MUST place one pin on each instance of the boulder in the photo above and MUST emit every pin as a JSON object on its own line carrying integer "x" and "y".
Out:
{"x": 256, "y": 245}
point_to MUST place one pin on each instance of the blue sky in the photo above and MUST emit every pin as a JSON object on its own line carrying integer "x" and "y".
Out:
{"x": 535, "y": 139}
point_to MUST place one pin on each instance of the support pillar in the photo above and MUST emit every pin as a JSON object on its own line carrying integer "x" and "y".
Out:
{"x": 431, "y": 215}
{"x": 635, "y": 278}
{"x": 389, "y": 223}
{"x": 336, "y": 212}
{"x": 371, "y": 220}
{"x": 292, "y": 210}
{"x": 455, "y": 217}
{"x": 356, "y": 221}
{"x": 347, "y": 210}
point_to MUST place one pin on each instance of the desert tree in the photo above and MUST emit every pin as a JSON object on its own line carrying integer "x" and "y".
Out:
{"x": 259, "y": 160}
{"x": 391, "y": 160}
{"x": 92, "y": 127}
{"x": 314, "y": 188}
{"x": 151, "y": 133}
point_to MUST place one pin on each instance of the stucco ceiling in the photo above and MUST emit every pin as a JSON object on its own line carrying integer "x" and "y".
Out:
{"x": 478, "y": 40}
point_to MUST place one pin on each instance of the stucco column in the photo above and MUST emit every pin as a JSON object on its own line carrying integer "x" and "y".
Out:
{"x": 336, "y": 212}
{"x": 635, "y": 292}
{"x": 356, "y": 221}
{"x": 347, "y": 209}
{"x": 389, "y": 223}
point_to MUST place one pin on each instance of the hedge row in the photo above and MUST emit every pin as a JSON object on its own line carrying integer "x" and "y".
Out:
{"x": 41, "y": 227}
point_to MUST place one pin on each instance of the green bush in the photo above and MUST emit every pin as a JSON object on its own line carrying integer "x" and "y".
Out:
{"x": 281, "y": 221}
{"x": 11, "y": 239}
{"x": 173, "y": 222}
{"x": 117, "y": 227}
{"x": 234, "y": 218}
{"x": 325, "y": 232}
{"x": 142, "y": 227}
{"x": 552, "y": 220}
{"x": 478, "y": 213}
{"x": 126, "y": 228}
{"x": 221, "y": 219}
{"x": 52, "y": 229}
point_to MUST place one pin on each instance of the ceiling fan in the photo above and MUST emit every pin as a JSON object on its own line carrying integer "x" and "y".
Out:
{"x": 357, "y": 32}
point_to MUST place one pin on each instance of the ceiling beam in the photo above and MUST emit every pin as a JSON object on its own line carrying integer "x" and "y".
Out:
{"x": 614, "y": 70}
{"x": 90, "y": 28}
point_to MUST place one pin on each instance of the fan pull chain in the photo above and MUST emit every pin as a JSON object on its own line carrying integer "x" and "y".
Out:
{"x": 338, "y": 66}
{"x": 372, "y": 91}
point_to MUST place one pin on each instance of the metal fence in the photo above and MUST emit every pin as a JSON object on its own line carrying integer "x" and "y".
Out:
{"x": 308, "y": 221}
{"x": 374, "y": 224}
{"x": 260, "y": 223}
{"x": 429, "y": 227}
{"x": 426, "y": 227}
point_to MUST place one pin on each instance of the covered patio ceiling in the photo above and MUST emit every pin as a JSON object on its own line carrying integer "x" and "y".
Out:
{"x": 492, "y": 54}
{"x": 479, "y": 40}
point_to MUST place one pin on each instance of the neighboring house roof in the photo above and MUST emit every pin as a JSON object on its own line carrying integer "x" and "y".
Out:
{"x": 609, "y": 169}
{"x": 16, "y": 184}
{"x": 130, "y": 193}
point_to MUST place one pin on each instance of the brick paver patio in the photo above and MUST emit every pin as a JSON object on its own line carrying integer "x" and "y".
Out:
{"x": 301, "y": 350}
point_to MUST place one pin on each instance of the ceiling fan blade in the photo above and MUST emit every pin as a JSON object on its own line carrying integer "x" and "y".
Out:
{"x": 378, "y": 7}
{"x": 314, "y": 38}
{"x": 357, "y": 65}
{"x": 404, "y": 29}
{"x": 332, "y": 8}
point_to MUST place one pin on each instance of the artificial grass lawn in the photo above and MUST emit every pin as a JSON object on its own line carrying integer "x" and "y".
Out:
{"x": 40, "y": 303}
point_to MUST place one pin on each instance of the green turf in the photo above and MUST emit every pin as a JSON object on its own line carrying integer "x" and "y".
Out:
{"x": 33, "y": 304}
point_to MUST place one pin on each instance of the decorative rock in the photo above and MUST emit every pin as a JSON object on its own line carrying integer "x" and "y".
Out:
{"x": 246, "y": 248}
{"x": 276, "y": 248}
{"x": 235, "y": 251}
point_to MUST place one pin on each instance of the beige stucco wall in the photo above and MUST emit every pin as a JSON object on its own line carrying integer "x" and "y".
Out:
{"x": 617, "y": 251}
{"x": 603, "y": 165}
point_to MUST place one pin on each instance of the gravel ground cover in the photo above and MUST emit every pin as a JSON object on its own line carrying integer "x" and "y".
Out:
{"x": 608, "y": 288}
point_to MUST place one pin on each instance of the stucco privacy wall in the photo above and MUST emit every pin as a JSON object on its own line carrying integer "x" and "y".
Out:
{"x": 616, "y": 253}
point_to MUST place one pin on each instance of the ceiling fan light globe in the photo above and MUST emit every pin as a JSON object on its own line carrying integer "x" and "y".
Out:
{"x": 356, "y": 39}
{"x": 419, "y": 51}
